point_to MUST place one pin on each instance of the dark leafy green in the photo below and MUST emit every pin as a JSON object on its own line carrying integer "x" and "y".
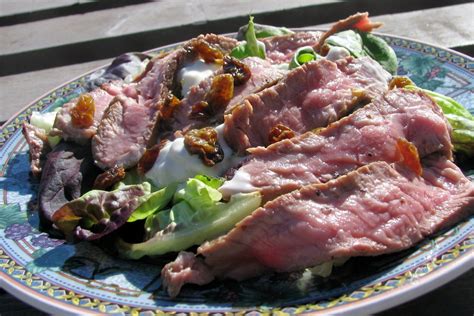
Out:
{"x": 366, "y": 44}
{"x": 98, "y": 213}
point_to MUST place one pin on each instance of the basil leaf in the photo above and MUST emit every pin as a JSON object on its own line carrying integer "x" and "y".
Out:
{"x": 380, "y": 51}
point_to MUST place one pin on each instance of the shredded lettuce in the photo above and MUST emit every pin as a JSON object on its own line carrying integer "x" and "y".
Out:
{"x": 251, "y": 46}
{"x": 366, "y": 44}
{"x": 461, "y": 121}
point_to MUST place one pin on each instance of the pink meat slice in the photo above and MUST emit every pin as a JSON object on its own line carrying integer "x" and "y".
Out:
{"x": 63, "y": 125}
{"x": 280, "y": 49}
{"x": 309, "y": 97}
{"x": 370, "y": 134}
{"x": 374, "y": 210}
{"x": 262, "y": 75}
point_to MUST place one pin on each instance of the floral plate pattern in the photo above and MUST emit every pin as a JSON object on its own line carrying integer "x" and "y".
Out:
{"x": 83, "y": 278}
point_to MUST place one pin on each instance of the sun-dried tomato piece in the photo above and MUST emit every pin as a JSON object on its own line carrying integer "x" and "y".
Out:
{"x": 280, "y": 132}
{"x": 239, "y": 71}
{"x": 169, "y": 105}
{"x": 221, "y": 92}
{"x": 148, "y": 159}
{"x": 409, "y": 155}
{"x": 201, "y": 110}
{"x": 399, "y": 82}
{"x": 216, "y": 99}
{"x": 206, "y": 51}
{"x": 203, "y": 142}
{"x": 82, "y": 114}
{"x": 108, "y": 178}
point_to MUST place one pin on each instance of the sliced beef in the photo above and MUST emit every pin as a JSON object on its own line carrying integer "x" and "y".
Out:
{"x": 262, "y": 74}
{"x": 280, "y": 49}
{"x": 221, "y": 42}
{"x": 38, "y": 143}
{"x": 367, "y": 135}
{"x": 159, "y": 80}
{"x": 64, "y": 127}
{"x": 374, "y": 210}
{"x": 123, "y": 133}
{"x": 131, "y": 120}
{"x": 185, "y": 269}
{"x": 309, "y": 97}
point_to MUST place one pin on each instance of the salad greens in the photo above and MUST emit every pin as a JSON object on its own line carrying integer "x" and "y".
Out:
{"x": 98, "y": 213}
{"x": 262, "y": 31}
{"x": 462, "y": 122}
{"x": 251, "y": 46}
{"x": 303, "y": 55}
{"x": 366, "y": 44}
{"x": 182, "y": 226}
{"x": 46, "y": 122}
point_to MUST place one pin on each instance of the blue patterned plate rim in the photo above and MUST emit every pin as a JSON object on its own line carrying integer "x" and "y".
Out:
{"x": 446, "y": 271}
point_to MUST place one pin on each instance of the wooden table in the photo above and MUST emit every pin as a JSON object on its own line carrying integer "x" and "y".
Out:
{"x": 45, "y": 43}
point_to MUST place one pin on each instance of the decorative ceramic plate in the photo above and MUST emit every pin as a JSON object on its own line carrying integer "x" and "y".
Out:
{"x": 82, "y": 278}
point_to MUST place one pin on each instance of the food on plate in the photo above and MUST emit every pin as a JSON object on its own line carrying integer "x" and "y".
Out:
{"x": 273, "y": 152}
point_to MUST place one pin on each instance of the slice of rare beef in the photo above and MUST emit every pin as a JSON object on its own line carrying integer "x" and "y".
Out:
{"x": 374, "y": 210}
{"x": 122, "y": 133}
{"x": 367, "y": 135}
{"x": 64, "y": 125}
{"x": 309, "y": 97}
{"x": 262, "y": 75}
{"x": 38, "y": 143}
{"x": 280, "y": 49}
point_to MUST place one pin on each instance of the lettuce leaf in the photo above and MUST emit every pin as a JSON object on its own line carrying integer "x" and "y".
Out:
{"x": 46, "y": 122}
{"x": 181, "y": 226}
{"x": 303, "y": 55}
{"x": 251, "y": 46}
{"x": 366, "y": 44}
{"x": 262, "y": 31}
{"x": 98, "y": 213}
{"x": 153, "y": 203}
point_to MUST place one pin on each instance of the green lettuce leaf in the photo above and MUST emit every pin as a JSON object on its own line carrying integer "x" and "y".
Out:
{"x": 262, "y": 31}
{"x": 303, "y": 55}
{"x": 251, "y": 46}
{"x": 189, "y": 227}
{"x": 366, "y": 44}
{"x": 153, "y": 203}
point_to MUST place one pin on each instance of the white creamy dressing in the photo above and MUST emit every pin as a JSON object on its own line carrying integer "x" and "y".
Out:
{"x": 176, "y": 164}
{"x": 336, "y": 53}
{"x": 195, "y": 72}
{"x": 240, "y": 183}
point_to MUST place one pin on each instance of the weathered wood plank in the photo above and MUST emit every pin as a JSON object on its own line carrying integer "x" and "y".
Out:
{"x": 13, "y": 7}
{"x": 446, "y": 26}
{"x": 18, "y": 90}
{"x": 129, "y": 20}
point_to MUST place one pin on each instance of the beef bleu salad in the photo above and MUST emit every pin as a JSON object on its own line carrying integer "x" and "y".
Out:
{"x": 275, "y": 151}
